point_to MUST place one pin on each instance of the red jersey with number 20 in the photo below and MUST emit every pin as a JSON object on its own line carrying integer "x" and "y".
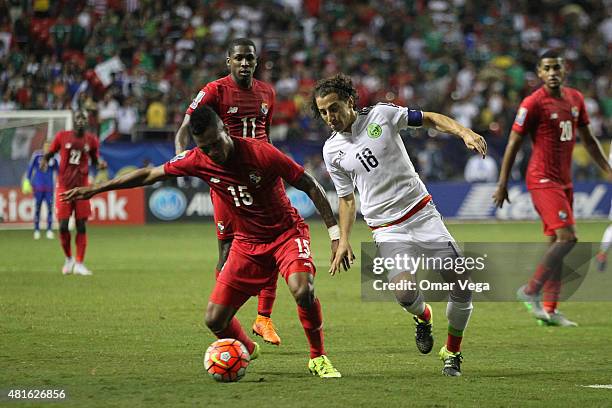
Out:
{"x": 552, "y": 124}
{"x": 75, "y": 153}
{"x": 246, "y": 112}
{"x": 249, "y": 184}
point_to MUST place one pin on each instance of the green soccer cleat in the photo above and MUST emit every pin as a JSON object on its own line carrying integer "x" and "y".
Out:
{"x": 256, "y": 352}
{"x": 322, "y": 367}
{"x": 452, "y": 362}
{"x": 532, "y": 303}
{"x": 423, "y": 337}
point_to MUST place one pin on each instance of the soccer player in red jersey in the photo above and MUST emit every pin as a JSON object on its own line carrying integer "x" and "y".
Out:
{"x": 551, "y": 115}
{"x": 245, "y": 106}
{"x": 269, "y": 235}
{"x": 77, "y": 147}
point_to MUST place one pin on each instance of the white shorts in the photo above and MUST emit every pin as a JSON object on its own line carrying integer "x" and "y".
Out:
{"x": 422, "y": 235}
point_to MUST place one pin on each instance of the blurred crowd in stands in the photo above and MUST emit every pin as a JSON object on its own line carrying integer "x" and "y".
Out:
{"x": 472, "y": 60}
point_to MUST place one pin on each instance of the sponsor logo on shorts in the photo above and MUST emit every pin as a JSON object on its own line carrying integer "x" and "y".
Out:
{"x": 167, "y": 203}
{"x": 374, "y": 130}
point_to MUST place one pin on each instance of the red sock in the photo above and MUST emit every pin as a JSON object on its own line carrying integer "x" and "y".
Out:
{"x": 234, "y": 331}
{"x": 426, "y": 316}
{"x": 550, "y": 298}
{"x": 312, "y": 322}
{"x": 65, "y": 241}
{"x": 453, "y": 341}
{"x": 265, "y": 301}
{"x": 537, "y": 280}
{"x": 81, "y": 244}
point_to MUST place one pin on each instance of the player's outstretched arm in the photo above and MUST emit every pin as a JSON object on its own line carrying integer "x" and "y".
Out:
{"x": 514, "y": 144}
{"x": 136, "y": 178}
{"x": 444, "y": 124}
{"x": 315, "y": 191}
{"x": 592, "y": 145}
{"x": 347, "y": 212}
{"x": 181, "y": 139}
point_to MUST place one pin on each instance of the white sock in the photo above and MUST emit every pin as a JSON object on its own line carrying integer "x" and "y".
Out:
{"x": 458, "y": 314}
{"x": 606, "y": 240}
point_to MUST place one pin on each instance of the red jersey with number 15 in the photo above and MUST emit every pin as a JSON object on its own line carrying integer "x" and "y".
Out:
{"x": 552, "y": 124}
{"x": 246, "y": 112}
{"x": 75, "y": 153}
{"x": 249, "y": 185}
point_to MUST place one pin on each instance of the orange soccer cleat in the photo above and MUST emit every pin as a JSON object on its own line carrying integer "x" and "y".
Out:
{"x": 264, "y": 327}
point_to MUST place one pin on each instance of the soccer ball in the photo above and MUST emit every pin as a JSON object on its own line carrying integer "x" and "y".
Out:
{"x": 226, "y": 360}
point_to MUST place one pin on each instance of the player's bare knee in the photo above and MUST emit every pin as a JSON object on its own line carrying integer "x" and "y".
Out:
{"x": 80, "y": 227}
{"x": 63, "y": 225}
{"x": 215, "y": 319}
{"x": 303, "y": 295}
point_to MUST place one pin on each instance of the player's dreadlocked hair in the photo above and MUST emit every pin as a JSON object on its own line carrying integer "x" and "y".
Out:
{"x": 201, "y": 119}
{"x": 340, "y": 84}
{"x": 239, "y": 41}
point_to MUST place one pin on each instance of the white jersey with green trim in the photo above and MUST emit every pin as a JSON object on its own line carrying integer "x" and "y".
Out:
{"x": 373, "y": 158}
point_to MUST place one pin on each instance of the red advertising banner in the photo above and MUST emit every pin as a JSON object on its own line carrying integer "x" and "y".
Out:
{"x": 110, "y": 208}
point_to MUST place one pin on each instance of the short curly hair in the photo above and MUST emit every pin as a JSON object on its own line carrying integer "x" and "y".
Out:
{"x": 340, "y": 84}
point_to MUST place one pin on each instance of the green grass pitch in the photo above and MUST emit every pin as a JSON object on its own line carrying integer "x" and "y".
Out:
{"x": 133, "y": 334}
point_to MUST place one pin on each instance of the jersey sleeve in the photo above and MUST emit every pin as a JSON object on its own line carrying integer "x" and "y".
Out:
{"x": 281, "y": 164}
{"x": 342, "y": 181}
{"x": 56, "y": 144}
{"x": 401, "y": 117}
{"x": 270, "y": 111}
{"x": 181, "y": 164}
{"x": 207, "y": 96}
{"x": 526, "y": 116}
{"x": 583, "y": 115}
{"x": 33, "y": 164}
{"x": 94, "y": 151}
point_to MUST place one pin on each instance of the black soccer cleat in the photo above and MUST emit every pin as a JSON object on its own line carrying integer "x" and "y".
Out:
{"x": 423, "y": 337}
{"x": 452, "y": 362}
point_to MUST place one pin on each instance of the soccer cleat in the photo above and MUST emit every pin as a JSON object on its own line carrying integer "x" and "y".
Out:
{"x": 558, "y": 319}
{"x": 532, "y": 303}
{"x": 602, "y": 260}
{"x": 423, "y": 337}
{"x": 256, "y": 352}
{"x": 68, "y": 266}
{"x": 322, "y": 367}
{"x": 50, "y": 234}
{"x": 37, "y": 235}
{"x": 263, "y": 327}
{"x": 81, "y": 269}
{"x": 452, "y": 362}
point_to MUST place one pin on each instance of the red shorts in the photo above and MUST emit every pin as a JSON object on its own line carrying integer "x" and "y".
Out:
{"x": 64, "y": 209}
{"x": 223, "y": 218}
{"x": 252, "y": 267}
{"x": 555, "y": 206}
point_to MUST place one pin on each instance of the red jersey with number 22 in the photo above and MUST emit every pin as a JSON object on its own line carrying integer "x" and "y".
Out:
{"x": 246, "y": 112}
{"x": 552, "y": 124}
{"x": 75, "y": 153}
{"x": 249, "y": 184}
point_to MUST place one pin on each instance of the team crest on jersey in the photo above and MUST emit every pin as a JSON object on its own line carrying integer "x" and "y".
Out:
{"x": 220, "y": 227}
{"x": 520, "y": 116}
{"x": 68, "y": 145}
{"x": 264, "y": 108}
{"x": 574, "y": 112}
{"x": 232, "y": 109}
{"x": 254, "y": 177}
{"x": 339, "y": 156}
{"x": 374, "y": 130}
{"x": 86, "y": 147}
{"x": 562, "y": 215}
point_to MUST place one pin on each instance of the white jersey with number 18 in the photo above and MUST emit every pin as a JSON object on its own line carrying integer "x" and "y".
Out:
{"x": 372, "y": 157}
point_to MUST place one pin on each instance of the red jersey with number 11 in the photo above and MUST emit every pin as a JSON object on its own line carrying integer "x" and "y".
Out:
{"x": 246, "y": 112}
{"x": 552, "y": 124}
{"x": 75, "y": 153}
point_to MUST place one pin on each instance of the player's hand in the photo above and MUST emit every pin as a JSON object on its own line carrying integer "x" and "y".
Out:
{"x": 342, "y": 256}
{"x": 77, "y": 193}
{"x": 44, "y": 165}
{"x": 501, "y": 195}
{"x": 474, "y": 141}
{"x": 102, "y": 165}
